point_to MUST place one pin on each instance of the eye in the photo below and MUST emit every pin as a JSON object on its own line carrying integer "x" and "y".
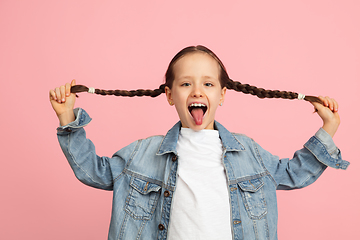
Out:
{"x": 185, "y": 84}
{"x": 209, "y": 84}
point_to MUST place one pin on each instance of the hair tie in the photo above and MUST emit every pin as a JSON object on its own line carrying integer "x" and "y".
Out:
{"x": 91, "y": 90}
{"x": 301, "y": 96}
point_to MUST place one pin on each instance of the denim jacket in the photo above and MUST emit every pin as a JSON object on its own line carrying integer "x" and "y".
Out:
{"x": 143, "y": 174}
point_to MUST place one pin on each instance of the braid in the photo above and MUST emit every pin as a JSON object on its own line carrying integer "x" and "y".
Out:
{"x": 225, "y": 81}
{"x": 124, "y": 93}
{"x": 262, "y": 93}
{"x": 234, "y": 85}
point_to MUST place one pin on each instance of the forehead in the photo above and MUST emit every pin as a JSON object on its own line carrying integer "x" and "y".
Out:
{"x": 198, "y": 63}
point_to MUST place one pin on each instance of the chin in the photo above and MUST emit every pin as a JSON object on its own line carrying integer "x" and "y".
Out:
{"x": 203, "y": 126}
{"x": 197, "y": 128}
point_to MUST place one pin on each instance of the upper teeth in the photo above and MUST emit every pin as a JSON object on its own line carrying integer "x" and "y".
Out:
{"x": 197, "y": 105}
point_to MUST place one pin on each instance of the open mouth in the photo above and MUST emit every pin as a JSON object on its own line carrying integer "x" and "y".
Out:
{"x": 197, "y": 111}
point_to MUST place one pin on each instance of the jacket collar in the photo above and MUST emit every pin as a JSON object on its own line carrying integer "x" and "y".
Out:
{"x": 229, "y": 142}
{"x": 169, "y": 142}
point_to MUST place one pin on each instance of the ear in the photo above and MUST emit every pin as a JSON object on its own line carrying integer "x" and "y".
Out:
{"x": 222, "y": 98}
{"x": 169, "y": 96}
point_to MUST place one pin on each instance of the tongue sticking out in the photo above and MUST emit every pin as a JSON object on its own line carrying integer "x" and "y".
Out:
{"x": 197, "y": 114}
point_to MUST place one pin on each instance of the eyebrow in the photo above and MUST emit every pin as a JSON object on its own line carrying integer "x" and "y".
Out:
{"x": 190, "y": 77}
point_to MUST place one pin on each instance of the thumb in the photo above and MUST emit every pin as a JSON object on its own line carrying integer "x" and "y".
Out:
{"x": 317, "y": 106}
{"x": 73, "y": 82}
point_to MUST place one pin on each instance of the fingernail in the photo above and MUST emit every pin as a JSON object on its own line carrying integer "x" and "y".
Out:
{"x": 63, "y": 99}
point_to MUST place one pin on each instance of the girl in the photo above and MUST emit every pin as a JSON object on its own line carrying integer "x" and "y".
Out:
{"x": 199, "y": 181}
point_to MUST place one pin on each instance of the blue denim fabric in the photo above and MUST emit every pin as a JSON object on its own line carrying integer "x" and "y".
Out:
{"x": 142, "y": 176}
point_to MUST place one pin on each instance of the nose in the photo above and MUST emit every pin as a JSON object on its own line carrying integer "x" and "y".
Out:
{"x": 197, "y": 92}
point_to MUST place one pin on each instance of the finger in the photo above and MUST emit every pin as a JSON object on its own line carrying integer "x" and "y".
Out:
{"x": 73, "y": 82}
{"x": 62, "y": 92}
{"x": 67, "y": 89}
{"x": 58, "y": 94}
{"x": 326, "y": 101}
{"x": 330, "y": 103}
{"x": 52, "y": 95}
{"x": 333, "y": 105}
{"x": 336, "y": 105}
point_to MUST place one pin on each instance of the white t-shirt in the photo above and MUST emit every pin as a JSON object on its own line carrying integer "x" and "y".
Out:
{"x": 200, "y": 207}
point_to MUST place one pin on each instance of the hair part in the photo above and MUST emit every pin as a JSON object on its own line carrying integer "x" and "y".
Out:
{"x": 224, "y": 79}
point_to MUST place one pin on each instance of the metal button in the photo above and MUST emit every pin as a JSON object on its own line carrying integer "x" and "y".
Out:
{"x": 68, "y": 130}
{"x": 166, "y": 193}
{"x": 161, "y": 227}
{"x": 237, "y": 222}
{"x": 174, "y": 158}
{"x": 146, "y": 186}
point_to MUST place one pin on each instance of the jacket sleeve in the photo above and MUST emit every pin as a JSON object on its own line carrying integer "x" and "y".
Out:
{"x": 307, "y": 163}
{"x": 88, "y": 167}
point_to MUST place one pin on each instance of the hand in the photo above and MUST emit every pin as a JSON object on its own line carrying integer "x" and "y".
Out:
{"x": 63, "y": 101}
{"x": 329, "y": 114}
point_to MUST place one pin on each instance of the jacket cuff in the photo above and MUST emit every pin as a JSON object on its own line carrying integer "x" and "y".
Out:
{"x": 81, "y": 120}
{"x": 322, "y": 154}
{"x": 328, "y": 142}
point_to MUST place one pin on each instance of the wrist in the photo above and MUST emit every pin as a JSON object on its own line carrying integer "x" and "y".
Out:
{"x": 331, "y": 127}
{"x": 66, "y": 117}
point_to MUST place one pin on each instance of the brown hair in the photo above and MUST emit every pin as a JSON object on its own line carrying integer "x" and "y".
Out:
{"x": 225, "y": 81}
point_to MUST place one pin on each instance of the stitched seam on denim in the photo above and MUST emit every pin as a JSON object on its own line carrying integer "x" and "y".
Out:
{"x": 267, "y": 225}
{"x": 127, "y": 164}
{"x": 147, "y": 179}
{"x": 155, "y": 136}
{"x": 240, "y": 135}
{"x": 333, "y": 151}
{"x": 330, "y": 151}
{"x": 255, "y": 230}
{"x": 247, "y": 206}
{"x": 145, "y": 189}
{"x": 164, "y": 208}
{"x": 75, "y": 124}
{"x": 228, "y": 187}
{"x": 122, "y": 229}
{"x": 168, "y": 151}
{"x": 247, "y": 178}
{"x": 238, "y": 200}
{"x": 171, "y": 163}
{"x": 327, "y": 156}
{"x": 163, "y": 214}
{"x": 323, "y": 149}
{"x": 262, "y": 162}
{"x": 73, "y": 128}
{"x": 233, "y": 209}
{"x": 133, "y": 154}
{"x": 129, "y": 212}
{"x": 78, "y": 165}
{"x": 226, "y": 171}
{"x": 119, "y": 176}
{"x": 141, "y": 229}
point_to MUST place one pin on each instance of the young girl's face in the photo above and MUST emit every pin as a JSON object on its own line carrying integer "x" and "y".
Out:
{"x": 196, "y": 91}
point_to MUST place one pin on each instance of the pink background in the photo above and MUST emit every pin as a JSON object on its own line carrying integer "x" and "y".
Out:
{"x": 310, "y": 47}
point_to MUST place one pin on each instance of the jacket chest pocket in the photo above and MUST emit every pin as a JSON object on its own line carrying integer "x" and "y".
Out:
{"x": 252, "y": 193}
{"x": 142, "y": 199}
